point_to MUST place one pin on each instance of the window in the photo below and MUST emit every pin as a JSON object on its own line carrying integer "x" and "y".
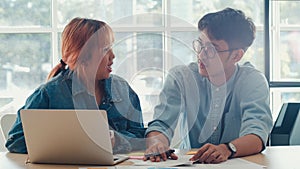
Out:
{"x": 151, "y": 37}
{"x": 26, "y": 52}
{"x": 284, "y": 53}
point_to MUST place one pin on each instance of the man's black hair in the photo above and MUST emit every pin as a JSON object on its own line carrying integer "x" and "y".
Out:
{"x": 230, "y": 25}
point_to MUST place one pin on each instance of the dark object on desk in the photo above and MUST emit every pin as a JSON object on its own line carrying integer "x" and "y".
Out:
{"x": 168, "y": 154}
{"x": 286, "y": 130}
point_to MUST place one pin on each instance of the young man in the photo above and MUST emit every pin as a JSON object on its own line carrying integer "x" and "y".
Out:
{"x": 221, "y": 107}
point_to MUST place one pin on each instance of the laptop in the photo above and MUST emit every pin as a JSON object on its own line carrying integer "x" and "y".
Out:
{"x": 68, "y": 137}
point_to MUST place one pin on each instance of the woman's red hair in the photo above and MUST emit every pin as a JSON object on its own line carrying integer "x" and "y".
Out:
{"x": 74, "y": 37}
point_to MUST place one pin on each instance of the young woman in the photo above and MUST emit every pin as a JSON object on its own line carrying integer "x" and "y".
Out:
{"x": 83, "y": 80}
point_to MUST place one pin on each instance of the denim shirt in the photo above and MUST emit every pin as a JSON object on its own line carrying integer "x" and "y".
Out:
{"x": 212, "y": 114}
{"x": 63, "y": 92}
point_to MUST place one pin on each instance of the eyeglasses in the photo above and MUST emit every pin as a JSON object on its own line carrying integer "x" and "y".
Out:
{"x": 210, "y": 50}
{"x": 107, "y": 48}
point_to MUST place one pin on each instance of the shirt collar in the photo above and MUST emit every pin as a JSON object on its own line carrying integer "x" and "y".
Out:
{"x": 111, "y": 90}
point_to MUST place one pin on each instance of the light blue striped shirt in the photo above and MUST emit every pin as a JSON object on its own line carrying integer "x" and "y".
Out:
{"x": 213, "y": 114}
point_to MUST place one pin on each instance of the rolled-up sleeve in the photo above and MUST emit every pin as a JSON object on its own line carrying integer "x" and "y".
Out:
{"x": 257, "y": 117}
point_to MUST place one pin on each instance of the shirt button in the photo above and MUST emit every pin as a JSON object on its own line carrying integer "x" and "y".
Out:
{"x": 215, "y": 128}
{"x": 217, "y": 89}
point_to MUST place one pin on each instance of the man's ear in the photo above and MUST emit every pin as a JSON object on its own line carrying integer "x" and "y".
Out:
{"x": 237, "y": 55}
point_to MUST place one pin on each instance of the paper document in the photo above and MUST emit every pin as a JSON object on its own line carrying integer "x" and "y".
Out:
{"x": 184, "y": 163}
{"x": 183, "y": 160}
{"x": 138, "y": 167}
{"x": 236, "y": 163}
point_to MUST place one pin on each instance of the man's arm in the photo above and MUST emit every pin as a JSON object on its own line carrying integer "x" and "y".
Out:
{"x": 179, "y": 85}
{"x": 158, "y": 142}
{"x": 255, "y": 127}
{"x": 247, "y": 145}
{"x": 155, "y": 137}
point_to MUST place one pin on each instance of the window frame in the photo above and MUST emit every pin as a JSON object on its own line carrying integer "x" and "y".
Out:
{"x": 271, "y": 38}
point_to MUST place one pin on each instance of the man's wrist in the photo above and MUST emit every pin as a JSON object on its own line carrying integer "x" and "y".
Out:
{"x": 155, "y": 137}
{"x": 232, "y": 149}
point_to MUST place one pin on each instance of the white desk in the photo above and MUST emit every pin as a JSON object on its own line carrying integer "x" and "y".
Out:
{"x": 283, "y": 157}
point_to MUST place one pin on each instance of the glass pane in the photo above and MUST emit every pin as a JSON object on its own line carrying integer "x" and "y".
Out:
{"x": 139, "y": 59}
{"x": 59, "y": 45}
{"x": 287, "y": 68}
{"x": 149, "y": 50}
{"x": 24, "y": 64}
{"x": 148, "y": 84}
{"x": 181, "y": 48}
{"x": 191, "y": 11}
{"x": 289, "y": 12}
{"x": 283, "y": 95}
{"x": 255, "y": 53}
{"x": 25, "y": 13}
{"x": 137, "y": 51}
{"x": 120, "y": 12}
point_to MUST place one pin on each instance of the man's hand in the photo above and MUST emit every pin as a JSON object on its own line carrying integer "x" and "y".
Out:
{"x": 158, "y": 143}
{"x": 210, "y": 153}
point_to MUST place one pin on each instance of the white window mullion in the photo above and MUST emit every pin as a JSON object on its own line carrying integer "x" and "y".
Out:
{"x": 167, "y": 33}
{"x": 275, "y": 37}
{"x": 54, "y": 34}
{"x": 137, "y": 29}
{"x": 29, "y": 29}
{"x": 275, "y": 52}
